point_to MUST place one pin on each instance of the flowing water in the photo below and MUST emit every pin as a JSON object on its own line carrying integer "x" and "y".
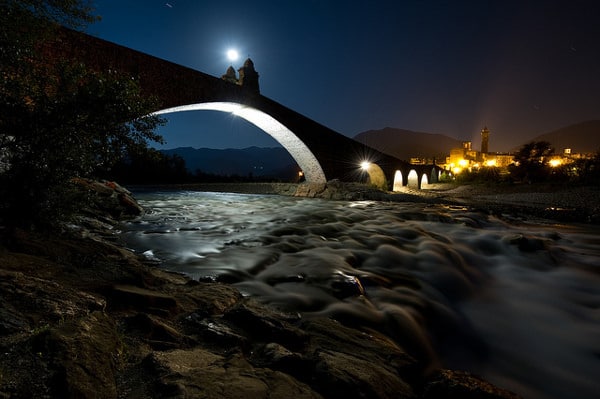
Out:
{"x": 517, "y": 303}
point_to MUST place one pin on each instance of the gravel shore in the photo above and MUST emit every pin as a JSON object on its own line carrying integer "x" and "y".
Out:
{"x": 564, "y": 203}
{"x": 577, "y": 204}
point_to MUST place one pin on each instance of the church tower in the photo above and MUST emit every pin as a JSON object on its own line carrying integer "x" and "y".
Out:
{"x": 249, "y": 76}
{"x": 485, "y": 140}
{"x": 230, "y": 76}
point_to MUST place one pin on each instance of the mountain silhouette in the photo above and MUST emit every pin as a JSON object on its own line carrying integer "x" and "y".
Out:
{"x": 583, "y": 137}
{"x": 406, "y": 144}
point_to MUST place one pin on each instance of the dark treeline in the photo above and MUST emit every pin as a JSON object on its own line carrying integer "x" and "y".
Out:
{"x": 153, "y": 167}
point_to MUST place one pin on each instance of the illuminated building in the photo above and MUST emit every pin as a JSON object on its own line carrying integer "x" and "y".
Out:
{"x": 249, "y": 76}
{"x": 485, "y": 140}
{"x": 465, "y": 158}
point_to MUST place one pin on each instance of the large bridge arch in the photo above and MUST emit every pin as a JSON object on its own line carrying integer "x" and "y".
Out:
{"x": 306, "y": 160}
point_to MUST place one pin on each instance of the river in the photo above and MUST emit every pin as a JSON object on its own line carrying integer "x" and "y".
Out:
{"x": 515, "y": 302}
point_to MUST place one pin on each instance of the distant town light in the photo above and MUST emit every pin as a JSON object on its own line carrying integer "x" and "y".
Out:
{"x": 365, "y": 165}
{"x": 463, "y": 162}
{"x": 555, "y": 162}
{"x": 490, "y": 162}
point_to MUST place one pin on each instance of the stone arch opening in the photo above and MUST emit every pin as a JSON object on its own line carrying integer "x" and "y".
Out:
{"x": 306, "y": 160}
{"x": 376, "y": 175}
{"x": 435, "y": 176}
{"x": 424, "y": 183}
{"x": 413, "y": 179}
{"x": 398, "y": 181}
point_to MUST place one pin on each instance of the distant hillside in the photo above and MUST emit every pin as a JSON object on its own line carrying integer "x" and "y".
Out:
{"x": 406, "y": 144}
{"x": 264, "y": 162}
{"x": 581, "y": 137}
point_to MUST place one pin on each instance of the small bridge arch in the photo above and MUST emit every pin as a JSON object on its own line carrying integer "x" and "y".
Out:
{"x": 415, "y": 176}
{"x": 376, "y": 175}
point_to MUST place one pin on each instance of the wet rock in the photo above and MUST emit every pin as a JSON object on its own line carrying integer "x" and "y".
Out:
{"x": 215, "y": 331}
{"x": 310, "y": 190}
{"x": 35, "y": 301}
{"x": 344, "y": 286}
{"x": 11, "y": 321}
{"x": 107, "y": 198}
{"x": 128, "y": 296}
{"x": 155, "y": 332}
{"x": 343, "y": 375}
{"x": 278, "y": 357}
{"x": 263, "y": 324}
{"x": 369, "y": 346}
{"x": 448, "y": 384}
{"x": 82, "y": 354}
{"x": 527, "y": 244}
{"x": 200, "y": 373}
{"x": 211, "y": 298}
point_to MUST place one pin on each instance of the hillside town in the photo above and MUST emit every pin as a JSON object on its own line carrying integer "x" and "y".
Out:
{"x": 466, "y": 158}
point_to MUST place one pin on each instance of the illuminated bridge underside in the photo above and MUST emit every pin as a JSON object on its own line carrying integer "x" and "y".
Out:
{"x": 298, "y": 150}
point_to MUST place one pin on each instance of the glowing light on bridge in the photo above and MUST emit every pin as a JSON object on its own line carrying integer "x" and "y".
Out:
{"x": 303, "y": 156}
{"x": 376, "y": 175}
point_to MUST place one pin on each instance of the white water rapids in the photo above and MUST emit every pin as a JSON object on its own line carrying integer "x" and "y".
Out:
{"x": 517, "y": 303}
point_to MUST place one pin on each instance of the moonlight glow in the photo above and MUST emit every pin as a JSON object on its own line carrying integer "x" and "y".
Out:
{"x": 232, "y": 55}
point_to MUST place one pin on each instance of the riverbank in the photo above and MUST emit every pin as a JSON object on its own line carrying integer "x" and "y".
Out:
{"x": 82, "y": 317}
{"x": 577, "y": 204}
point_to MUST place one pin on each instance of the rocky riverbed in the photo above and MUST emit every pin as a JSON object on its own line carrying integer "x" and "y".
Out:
{"x": 81, "y": 317}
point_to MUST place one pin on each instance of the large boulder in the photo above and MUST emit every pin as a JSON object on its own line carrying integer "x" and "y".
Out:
{"x": 109, "y": 199}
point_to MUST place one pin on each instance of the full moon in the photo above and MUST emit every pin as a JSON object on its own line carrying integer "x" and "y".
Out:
{"x": 232, "y": 55}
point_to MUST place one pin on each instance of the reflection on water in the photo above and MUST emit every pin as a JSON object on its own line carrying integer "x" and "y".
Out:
{"x": 516, "y": 303}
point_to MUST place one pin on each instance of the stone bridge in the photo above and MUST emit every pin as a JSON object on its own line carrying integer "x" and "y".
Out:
{"x": 321, "y": 153}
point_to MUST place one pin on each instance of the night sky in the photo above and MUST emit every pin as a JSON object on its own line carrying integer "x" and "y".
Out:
{"x": 522, "y": 68}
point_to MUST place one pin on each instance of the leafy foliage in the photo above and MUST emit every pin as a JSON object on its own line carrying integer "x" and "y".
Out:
{"x": 485, "y": 174}
{"x": 588, "y": 170}
{"x": 531, "y": 162}
{"x": 59, "y": 120}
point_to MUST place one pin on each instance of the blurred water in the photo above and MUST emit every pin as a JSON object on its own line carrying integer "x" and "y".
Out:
{"x": 517, "y": 303}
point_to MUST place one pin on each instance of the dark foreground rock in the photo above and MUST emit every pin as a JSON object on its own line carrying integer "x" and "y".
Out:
{"x": 83, "y": 318}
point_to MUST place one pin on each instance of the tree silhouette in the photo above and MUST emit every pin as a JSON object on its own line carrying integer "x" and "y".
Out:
{"x": 58, "y": 120}
{"x": 531, "y": 162}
